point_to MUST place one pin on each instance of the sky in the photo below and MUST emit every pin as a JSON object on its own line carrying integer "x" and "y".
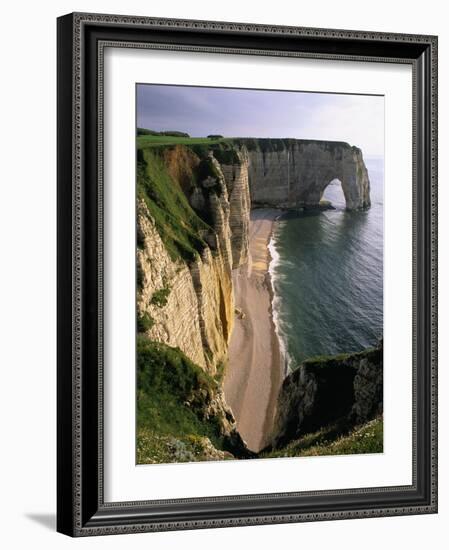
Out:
{"x": 231, "y": 112}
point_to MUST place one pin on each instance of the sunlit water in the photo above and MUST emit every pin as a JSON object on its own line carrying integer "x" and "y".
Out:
{"x": 327, "y": 273}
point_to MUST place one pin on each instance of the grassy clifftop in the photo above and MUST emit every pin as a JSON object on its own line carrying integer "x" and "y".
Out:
{"x": 367, "y": 438}
{"x": 265, "y": 145}
{"x": 179, "y": 414}
{"x": 180, "y": 228}
{"x": 224, "y": 149}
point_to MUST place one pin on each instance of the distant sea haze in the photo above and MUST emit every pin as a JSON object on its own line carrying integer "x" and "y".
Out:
{"x": 327, "y": 275}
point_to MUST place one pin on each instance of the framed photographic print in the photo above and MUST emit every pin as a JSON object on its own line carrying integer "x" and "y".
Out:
{"x": 246, "y": 274}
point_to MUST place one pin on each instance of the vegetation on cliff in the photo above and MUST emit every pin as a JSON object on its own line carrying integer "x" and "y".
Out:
{"x": 333, "y": 440}
{"x": 180, "y": 228}
{"x": 179, "y": 417}
{"x": 144, "y": 322}
{"x": 225, "y": 147}
{"x": 171, "y": 133}
{"x": 328, "y": 398}
{"x": 160, "y": 297}
{"x": 155, "y": 140}
{"x": 170, "y": 171}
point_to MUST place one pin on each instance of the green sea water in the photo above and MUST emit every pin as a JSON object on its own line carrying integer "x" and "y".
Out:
{"x": 327, "y": 275}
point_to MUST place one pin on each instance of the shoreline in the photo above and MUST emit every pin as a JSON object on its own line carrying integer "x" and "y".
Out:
{"x": 274, "y": 312}
{"x": 256, "y": 368}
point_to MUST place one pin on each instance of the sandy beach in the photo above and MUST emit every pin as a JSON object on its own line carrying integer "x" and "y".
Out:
{"x": 254, "y": 374}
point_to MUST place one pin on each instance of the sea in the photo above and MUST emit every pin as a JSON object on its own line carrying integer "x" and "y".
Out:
{"x": 327, "y": 275}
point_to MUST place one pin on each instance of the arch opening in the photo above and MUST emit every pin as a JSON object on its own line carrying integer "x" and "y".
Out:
{"x": 334, "y": 193}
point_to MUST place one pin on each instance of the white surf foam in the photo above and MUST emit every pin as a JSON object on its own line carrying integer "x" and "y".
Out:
{"x": 277, "y": 301}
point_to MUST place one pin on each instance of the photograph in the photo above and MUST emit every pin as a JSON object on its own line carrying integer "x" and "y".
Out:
{"x": 247, "y": 289}
{"x": 259, "y": 273}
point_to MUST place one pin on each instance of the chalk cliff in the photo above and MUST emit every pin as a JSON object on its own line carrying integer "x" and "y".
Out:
{"x": 237, "y": 183}
{"x": 290, "y": 173}
{"x": 166, "y": 293}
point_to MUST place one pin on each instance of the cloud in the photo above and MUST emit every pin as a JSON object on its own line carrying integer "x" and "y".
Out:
{"x": 356, "y": 119}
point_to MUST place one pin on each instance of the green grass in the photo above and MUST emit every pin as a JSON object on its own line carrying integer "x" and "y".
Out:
{"x": 326, "y": 361}
{"x": 266, "y": 145}
{"x": 223, "y": 148}
{"x": 321, "y": 360}
{"x": 155, "y": 448}
{"x": 329, "y": 441}
{"x": 145, "y": 141}
{"x": 144, "y": 322}
{"x": 226, "y": 154}
{"x": 160, "y": 297}
{"x": 178, "y": 225}
{"x": 221, "y": 371}
{"x": 175, "y": 133}
{"x": 172, "y": 393}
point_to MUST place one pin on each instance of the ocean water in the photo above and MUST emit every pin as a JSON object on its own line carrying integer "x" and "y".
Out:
{"x": 327, "y": 276}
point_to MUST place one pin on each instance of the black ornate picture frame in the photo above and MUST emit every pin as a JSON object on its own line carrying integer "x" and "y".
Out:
{"x": 81, "y": 509}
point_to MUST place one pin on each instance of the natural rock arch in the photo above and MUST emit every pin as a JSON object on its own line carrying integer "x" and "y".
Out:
{"x": 296, "y": 173}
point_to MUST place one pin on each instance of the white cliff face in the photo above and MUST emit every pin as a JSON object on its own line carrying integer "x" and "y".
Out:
{"x": 218, "y": 207}
{"x": 298, "y": 172}
{"x": 212, "y": 283}
{"x": 236, "y": 177}
{"x": 175, "y": 322}
{"x": 191, "y": 306}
